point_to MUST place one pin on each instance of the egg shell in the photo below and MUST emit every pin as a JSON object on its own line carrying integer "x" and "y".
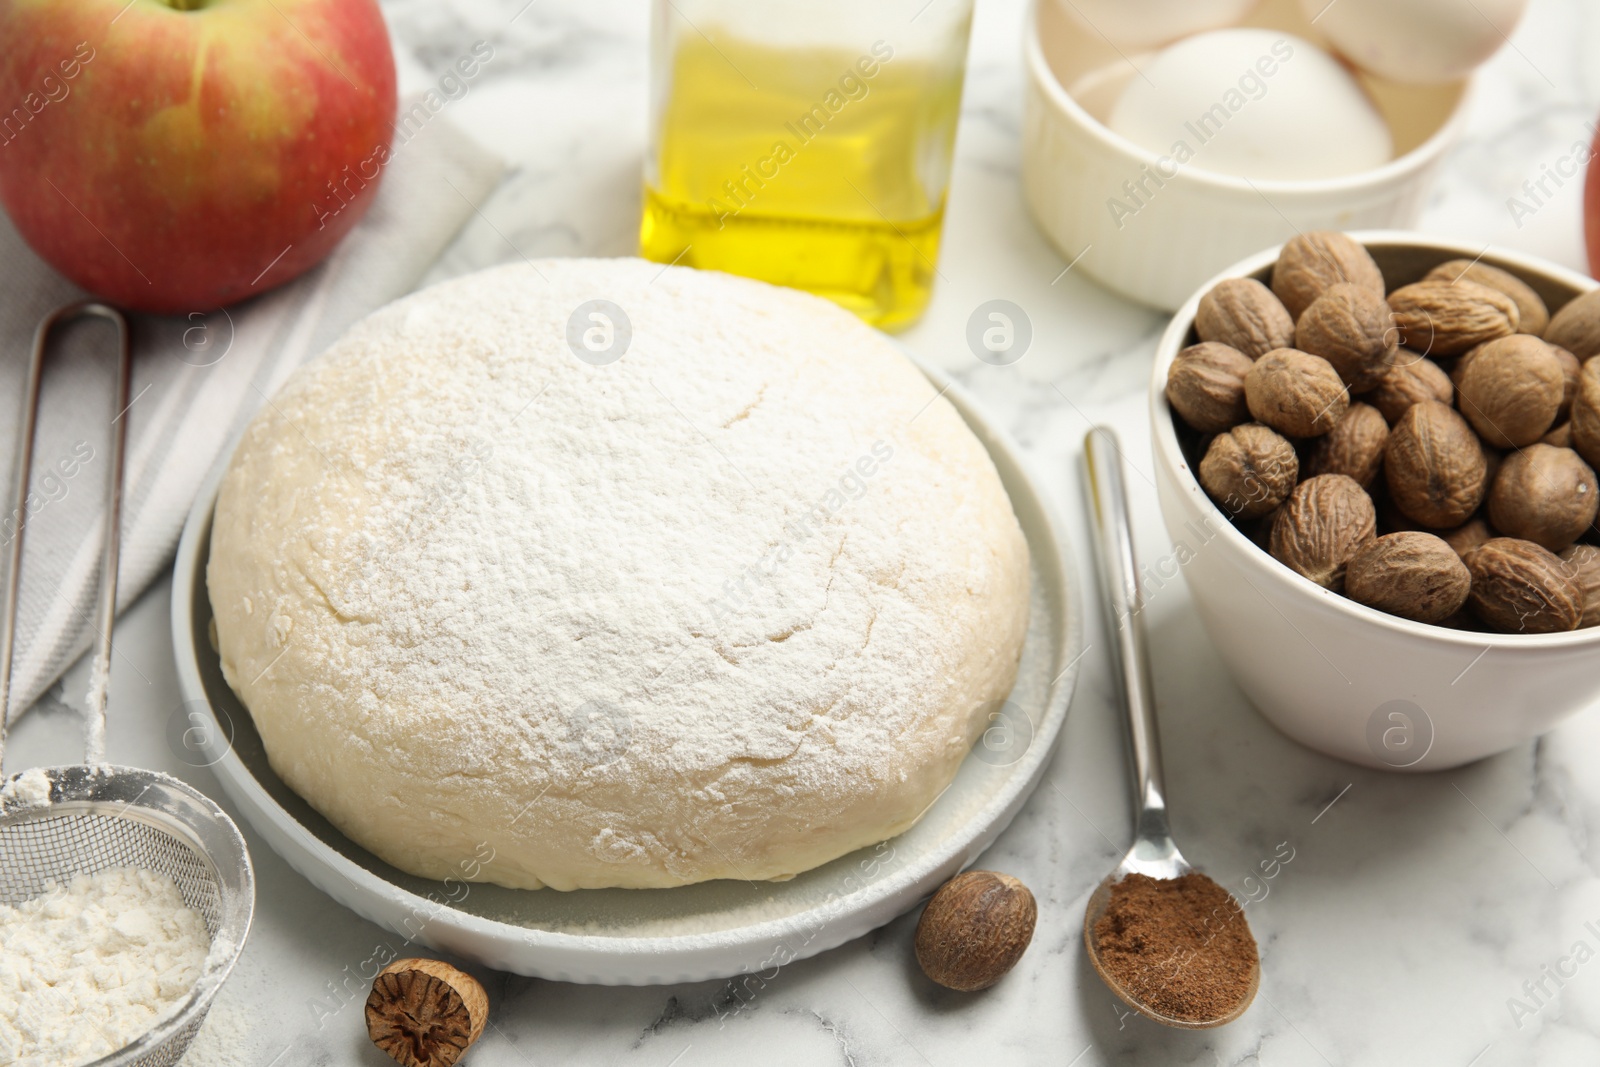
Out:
{"x": 1253, "y": 103}
{"x": 1146, "y": 23}
{"x": 1416, "y": 41}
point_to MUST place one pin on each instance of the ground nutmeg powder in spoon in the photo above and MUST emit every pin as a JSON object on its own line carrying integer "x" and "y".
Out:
{"x": 1181, "y": 945}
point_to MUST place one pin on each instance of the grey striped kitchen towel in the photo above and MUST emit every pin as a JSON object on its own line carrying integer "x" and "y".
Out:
{"x": 196, "y": 380}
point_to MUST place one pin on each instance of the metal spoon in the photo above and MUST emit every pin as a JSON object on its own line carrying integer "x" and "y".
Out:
{"x": 1154, "y": 853}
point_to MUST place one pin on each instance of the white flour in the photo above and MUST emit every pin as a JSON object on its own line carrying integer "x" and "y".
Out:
{"x": 30, "y": 789}
{"x": 225, "y": 1039}
{"x": 92, "y": 965}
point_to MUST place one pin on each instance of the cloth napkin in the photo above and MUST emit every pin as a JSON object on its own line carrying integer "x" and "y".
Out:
{"x": 196, "y": 382}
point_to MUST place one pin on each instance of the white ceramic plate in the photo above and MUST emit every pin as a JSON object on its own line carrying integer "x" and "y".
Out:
{"x": 692, "y": 933}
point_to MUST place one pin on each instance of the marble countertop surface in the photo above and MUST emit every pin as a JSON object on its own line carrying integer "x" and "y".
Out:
{"x": 1417, "y": 912}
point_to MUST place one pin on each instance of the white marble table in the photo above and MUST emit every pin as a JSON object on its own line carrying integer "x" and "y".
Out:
{"x": 1414, "y": 907}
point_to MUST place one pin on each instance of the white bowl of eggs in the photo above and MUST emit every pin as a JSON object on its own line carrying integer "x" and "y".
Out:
{"x": 1166, "y": 139}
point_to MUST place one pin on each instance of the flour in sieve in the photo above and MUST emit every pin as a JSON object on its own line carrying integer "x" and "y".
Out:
{"x": 92, "y": 965}
{"x": 30, "y": 789}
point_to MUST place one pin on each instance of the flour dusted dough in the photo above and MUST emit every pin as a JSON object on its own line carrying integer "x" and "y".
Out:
{"x": 730, "y": 606}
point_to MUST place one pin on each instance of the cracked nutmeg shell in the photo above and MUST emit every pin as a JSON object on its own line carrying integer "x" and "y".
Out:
{"x": 1205, "y": 386}
{"x": 1435, "y": 466}
{"x": 1544, "y": 494}
{"x": 1350, "y": 327}
{"x": 1448, "y": 318}
{"x": 1532, "y": 315}
{"x": 1354, "y": 446}
{"x": 1576, "y": 327}
{"x": 1312, "y": 262}
{"x": 1518, "y": 587}
{"x": 1510, "y": 389}
{"x": 1243, "y": 314}
{"x": 1296, "y": 393}
{"x": 425, "y": 1013}
{"x": 1249, "y": 470}
{"x": 1409, "y": 380}
{"x": 1325, "y": 521}
{"x": 975, "y": 929}
{"x": 1411, "y": 574}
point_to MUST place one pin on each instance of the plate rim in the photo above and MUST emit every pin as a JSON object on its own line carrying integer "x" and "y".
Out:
{"x": 620, "y": 959}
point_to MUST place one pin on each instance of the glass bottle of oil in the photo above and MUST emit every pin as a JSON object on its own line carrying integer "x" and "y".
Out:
{"x": 807, "y": 144}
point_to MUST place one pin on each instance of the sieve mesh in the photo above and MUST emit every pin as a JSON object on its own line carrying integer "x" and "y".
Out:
{"x": 38, "y": 853}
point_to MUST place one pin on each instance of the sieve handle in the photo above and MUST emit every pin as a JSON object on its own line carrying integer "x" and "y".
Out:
{"x": 111, "y": 544}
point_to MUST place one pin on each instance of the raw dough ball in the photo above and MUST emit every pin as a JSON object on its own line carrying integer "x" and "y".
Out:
{"x": 725, "y": 607}
{"x": 1256, "y": 104}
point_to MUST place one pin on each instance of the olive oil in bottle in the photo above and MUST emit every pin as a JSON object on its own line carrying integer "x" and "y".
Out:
{"x": 815, "y": 167}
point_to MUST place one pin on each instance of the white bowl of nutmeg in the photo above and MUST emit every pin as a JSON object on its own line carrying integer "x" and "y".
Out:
{"x": 1375, "y": 454}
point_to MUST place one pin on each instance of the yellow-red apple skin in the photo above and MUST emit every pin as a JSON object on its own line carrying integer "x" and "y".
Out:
{"x": 176, "y": 161}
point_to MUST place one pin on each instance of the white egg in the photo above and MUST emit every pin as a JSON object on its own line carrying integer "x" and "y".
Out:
{"x": 1145, "y": 23}
{"x": 1421, "y": 41}
{"x": 1255, "y": 104}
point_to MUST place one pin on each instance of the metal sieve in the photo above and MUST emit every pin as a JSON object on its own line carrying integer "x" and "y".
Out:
{"x": 99, "y": 816}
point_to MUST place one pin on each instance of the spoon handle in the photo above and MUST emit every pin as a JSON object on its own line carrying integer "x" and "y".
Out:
{"x": 1119, "y": 584}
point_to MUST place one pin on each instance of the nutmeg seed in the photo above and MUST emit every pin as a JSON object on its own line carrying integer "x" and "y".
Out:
{"x": 1586, "y": 413}
{"x": 1435, "y": 466}
{"x": 1571, "y": 372}
{"x": 1296, "y": 393}
{"x": 1324, "y": 522}
{"x": 1243, "y": 314}
{"x": 1447, "y": 318}
{"x": 1411, "y": 574}
{"x": 1583, "y": 563}
{"x": 1354, "y": 447}
{"x": 1510, "y": 390}
{"x": 1576, "y": 327}
{"x": 1350, "y": 327}
{"x": 975, "y": 929}
{"x": 1544, "y": 494}
{"x": 1205, "y": 386}
{"x": 1249, "y": 470}
{"x": 1469, "y": 535}
{"x": 1518, "y": 587}
{"x": 1411, "y": 378}
{"x": 1311, "y": 262}
{"x": 1532, "y": 315}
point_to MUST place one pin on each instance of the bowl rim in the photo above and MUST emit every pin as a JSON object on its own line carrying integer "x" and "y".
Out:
{"x": 1043, "y": 76}
{"x": 1167, "y": 453}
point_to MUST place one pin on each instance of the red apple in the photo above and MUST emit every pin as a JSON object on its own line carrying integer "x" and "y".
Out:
{"x": 1591, "y": 205}
{"x": 177, "y": 155}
